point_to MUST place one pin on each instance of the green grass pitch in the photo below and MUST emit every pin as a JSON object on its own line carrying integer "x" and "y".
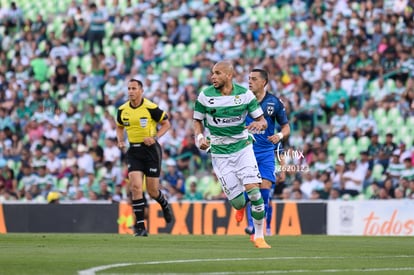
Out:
{"x": 87, "y": 254}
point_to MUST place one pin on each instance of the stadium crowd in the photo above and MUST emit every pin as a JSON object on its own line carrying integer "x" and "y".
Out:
{"x": 344, "y": 70}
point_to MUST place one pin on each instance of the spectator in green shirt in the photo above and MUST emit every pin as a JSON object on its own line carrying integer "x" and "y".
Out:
{"x": 334, "y": 97}
{"x": 92, "y": 118}
{"x": 193, "y": 194}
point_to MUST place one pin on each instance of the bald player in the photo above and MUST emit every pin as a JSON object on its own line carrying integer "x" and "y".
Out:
{"x": 222, "y": 108}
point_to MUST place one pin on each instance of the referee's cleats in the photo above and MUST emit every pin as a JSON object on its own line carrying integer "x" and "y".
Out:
{"x": 167, "y": 214}
{"x": 141, "y": 232}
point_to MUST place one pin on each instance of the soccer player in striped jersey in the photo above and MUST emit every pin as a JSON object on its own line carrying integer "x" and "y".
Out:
{"x": 222, "y": 109}
{"x": 267, "y": 141}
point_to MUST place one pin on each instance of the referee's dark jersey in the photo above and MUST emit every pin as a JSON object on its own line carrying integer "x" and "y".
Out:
{"x": 141, "y": 122}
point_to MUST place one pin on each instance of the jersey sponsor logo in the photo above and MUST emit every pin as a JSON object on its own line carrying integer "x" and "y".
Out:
{"x": 143, "y": 121}
{"x": 226, "y": 120}
{"x": 237, "y": 100}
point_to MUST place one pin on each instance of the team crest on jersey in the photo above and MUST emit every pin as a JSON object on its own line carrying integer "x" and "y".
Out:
{"x": 143, "y": 121}
{"x": 237, "y": 100}
{"x": 270, "y": 109}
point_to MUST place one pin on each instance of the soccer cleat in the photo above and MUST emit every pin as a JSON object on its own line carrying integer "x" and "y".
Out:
{"x": 240, "y": 215}
{"x": 252, "y": 238}
{"x": 268, "y": 232}
{"x": 261, "y": 243}
{"x": 167, "y": 214}
{"x": 249, "y": 230}
{"x": 141, "y": 232}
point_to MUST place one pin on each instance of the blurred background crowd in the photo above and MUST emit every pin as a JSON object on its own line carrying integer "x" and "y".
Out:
{"x": 344, "y": 70}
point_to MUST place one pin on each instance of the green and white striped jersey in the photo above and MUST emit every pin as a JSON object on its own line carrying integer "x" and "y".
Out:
{"x": 408, "y": 173}
{"x": 44, "y": 181}
{"x": 395, "y": 169}
{"x": 225, "y": 118}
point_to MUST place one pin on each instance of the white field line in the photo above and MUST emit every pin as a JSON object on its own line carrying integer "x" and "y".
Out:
{"x": 355, "y": 270}
{"x": 93, "y": 270}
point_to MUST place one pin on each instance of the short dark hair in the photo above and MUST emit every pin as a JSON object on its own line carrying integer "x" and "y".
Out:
{"x": 263, "y": 74}
{"x": 137, "y": 81}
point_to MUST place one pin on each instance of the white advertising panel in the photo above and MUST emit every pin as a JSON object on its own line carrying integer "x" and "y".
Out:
{"x": 371, "y": 218}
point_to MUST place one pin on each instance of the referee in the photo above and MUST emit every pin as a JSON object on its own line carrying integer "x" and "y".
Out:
{"x": 139, "y": 117}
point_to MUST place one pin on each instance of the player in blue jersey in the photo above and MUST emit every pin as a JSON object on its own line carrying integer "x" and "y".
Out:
{"x": 266, "y": 141}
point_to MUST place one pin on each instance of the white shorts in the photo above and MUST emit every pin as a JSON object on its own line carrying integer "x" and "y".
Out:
{"x": 236, "y": 170}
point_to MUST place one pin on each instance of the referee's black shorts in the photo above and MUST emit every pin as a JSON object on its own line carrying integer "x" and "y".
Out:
{"x": 145, "y": 158}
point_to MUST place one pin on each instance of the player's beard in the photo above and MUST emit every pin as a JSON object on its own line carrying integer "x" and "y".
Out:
{"x": 218, "y": 85}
